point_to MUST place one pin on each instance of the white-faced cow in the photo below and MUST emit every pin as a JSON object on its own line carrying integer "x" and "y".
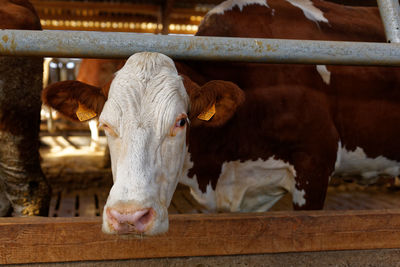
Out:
{"x": 99, "y": 73}
{"x": 22, "y": 184}
{"x": 257, "y": 131}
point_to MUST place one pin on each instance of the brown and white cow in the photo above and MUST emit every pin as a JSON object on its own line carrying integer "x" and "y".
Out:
{"x": 275, "y": 128}
{"x": 22, "y": 184}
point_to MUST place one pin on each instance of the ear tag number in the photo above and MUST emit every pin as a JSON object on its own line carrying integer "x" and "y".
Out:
{"x": 84, "y": 113}
{"x": 208, "y": 114}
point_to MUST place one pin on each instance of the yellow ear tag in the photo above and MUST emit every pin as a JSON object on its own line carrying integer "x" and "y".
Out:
{"x": 208, "y": 114}
{"x": 84, "y": 113}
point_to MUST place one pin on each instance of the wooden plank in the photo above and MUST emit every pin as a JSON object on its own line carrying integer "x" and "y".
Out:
{"x": 87, "y": 207}
{"x": 382, "y": 204}
{"x": 385, "y": 201}
{"x": 67, "y": 205}
{"x": 35, "y": 239}
{"x": 392, "y": 199}
{"x": 354, "y": 201}
{"x": 54, "y": 205}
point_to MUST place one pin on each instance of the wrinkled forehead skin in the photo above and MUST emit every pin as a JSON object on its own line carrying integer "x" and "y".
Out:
{"x": 145, "y": 99}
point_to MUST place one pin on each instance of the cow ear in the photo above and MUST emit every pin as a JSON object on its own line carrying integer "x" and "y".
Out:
{"x": 76, "y": 100}
{"x": 214, "y": 103}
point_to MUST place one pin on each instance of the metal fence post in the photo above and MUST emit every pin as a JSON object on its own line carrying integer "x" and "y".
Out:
{"x": 390, "y": 15}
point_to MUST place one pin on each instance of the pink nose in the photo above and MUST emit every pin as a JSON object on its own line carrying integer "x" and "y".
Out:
{"x": 128, "y": 222}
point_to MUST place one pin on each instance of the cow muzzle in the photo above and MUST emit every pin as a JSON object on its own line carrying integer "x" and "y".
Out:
{"x": 129, "y": 221}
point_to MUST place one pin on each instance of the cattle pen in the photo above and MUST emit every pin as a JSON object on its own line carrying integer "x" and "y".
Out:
{"x": 372, "y": 235}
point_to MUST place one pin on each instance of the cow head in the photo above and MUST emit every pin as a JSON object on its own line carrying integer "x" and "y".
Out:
{"x": 145, "y": 115}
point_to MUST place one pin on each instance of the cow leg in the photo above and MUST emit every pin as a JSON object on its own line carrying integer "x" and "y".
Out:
{"x": 312, "y": 178}
{"x": 21, "y": 176}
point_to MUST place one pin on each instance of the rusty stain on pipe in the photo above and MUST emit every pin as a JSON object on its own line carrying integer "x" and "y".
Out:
{"x": 121, "y": 45}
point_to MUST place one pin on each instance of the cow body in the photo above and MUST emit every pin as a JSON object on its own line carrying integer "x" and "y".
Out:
{"x": 322, "y": 120}
{"x": 22, "y": 183}
{"x": 275, "y": 128}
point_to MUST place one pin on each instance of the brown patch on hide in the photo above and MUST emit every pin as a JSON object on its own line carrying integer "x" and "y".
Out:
{"x": 65, "y": 97}
{"x": 99, "y": 72}
{"x": 225, "y": 95}
{"x": 18, "y": 14}
{"x": 289, "y": 112}
{"x": 345, "y": 23}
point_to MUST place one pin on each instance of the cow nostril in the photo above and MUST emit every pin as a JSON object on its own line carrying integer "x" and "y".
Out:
{"x": 143, "y": 220}
{"x": 147, "y": 217}
{"x": 124, "y": 222}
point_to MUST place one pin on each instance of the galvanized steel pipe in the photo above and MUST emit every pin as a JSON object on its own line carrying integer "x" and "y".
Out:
{"x": 390, "y": 15}
{"x": 121, "y": 45}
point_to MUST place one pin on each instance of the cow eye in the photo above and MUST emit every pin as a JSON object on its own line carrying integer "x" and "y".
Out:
{"x": 181, "y": 122}
{"x": 179, "y": 125}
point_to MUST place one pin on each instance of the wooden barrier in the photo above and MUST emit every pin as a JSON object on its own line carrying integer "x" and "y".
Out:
{"x": 38, "y": 239}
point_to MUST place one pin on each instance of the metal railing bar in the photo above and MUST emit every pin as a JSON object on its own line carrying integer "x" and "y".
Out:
{"x": 121, "y": 45}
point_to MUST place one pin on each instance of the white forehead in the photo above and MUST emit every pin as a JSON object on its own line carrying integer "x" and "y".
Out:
{"x": 145, "y": 77}
{"x": 148, "y": 86}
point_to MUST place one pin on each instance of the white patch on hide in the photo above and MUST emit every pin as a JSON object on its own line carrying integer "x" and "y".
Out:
{"x": 230, "y": 4}
{"x": 298, "y": 197}
{"x": 356, "y": 163}
{"x": 309, "y": 10}
{"x": 325, "y": 73}
{"x": 207, "y": 199}
{"x": 247, "y": 186}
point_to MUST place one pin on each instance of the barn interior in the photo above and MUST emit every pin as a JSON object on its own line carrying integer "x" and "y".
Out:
{"x": 78, "y": 170}
{"x": 75, "y": 164}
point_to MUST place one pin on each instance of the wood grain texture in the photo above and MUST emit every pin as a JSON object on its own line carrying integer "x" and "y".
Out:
{"x": 38, "y": 239}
